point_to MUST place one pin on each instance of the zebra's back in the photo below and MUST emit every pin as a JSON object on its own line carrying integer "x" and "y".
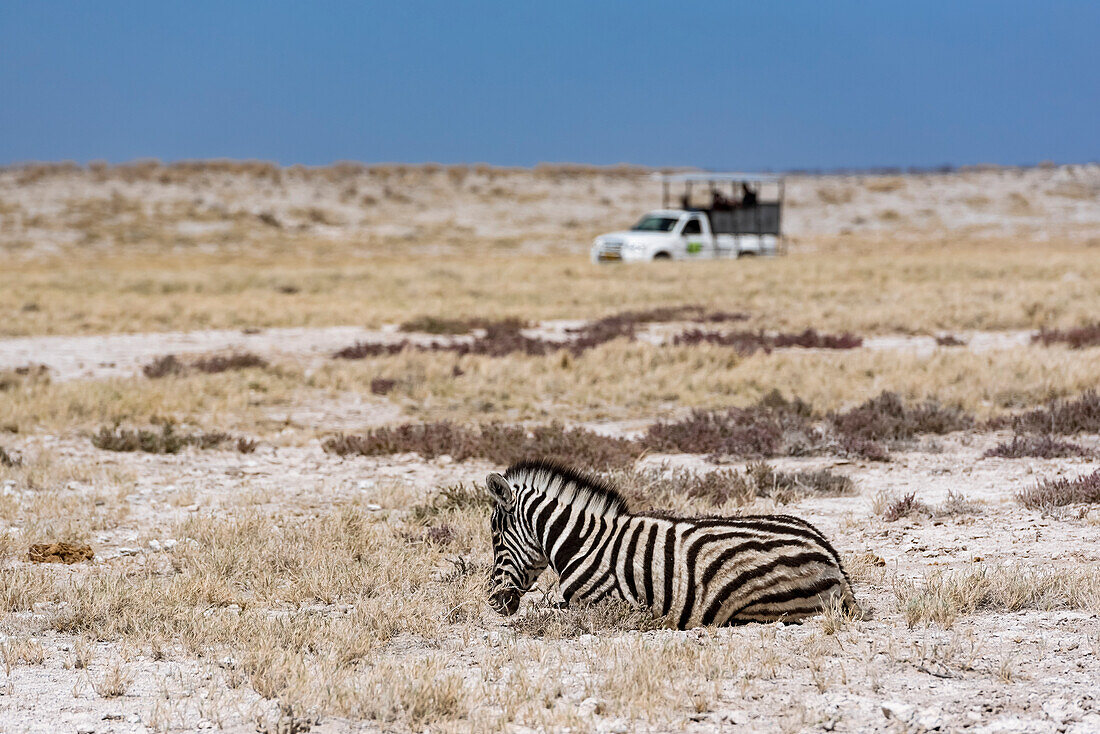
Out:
{"x": 702, "y": 571}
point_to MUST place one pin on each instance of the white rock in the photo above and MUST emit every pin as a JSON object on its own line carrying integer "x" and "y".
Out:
{"x": 129, "y": 551}
{"x": 930, "y": 718}
{"x": 591, "y": 705}
{"x": 1060, "y": 710}
{"x": 1088, "y": 724}
{"x": 170, "y": 544}
{"x": 154, "y": 545}
{"x": 616, "y": 726}
{"x": 897, "y": 710}
{"x": 1017, "y": 725}
{"x": 366, "y": 483}
{"x": 374, "y": 508}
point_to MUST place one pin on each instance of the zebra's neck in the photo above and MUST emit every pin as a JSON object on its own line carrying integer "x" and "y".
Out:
{"x": 563, "y": 510}
{"x": 543, "y": 482}
{"x": 565, "y": 527}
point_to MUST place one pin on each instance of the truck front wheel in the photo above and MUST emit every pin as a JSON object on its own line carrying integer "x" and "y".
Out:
{"x": 662, "y": 256}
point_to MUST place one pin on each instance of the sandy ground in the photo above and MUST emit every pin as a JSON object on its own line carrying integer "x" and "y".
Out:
{"x": 123, "y": 355}
{"x": 430, "y": 208}
{"x": 1031, "y": 671}
{"x": 1027, "y": 671}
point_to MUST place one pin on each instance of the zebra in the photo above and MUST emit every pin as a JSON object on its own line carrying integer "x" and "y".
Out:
{"x": 690, "y": 571}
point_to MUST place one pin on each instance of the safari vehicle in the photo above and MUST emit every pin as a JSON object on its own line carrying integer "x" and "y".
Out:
{"x": 743, "y": 223}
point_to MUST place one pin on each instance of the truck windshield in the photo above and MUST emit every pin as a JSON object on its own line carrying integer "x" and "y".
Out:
{"x": 656, "y": 224}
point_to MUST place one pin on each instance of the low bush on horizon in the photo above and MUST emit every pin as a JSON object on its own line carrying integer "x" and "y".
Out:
{"x": 887, "y": 418}
{"x": 1084, "y": 489}
{"x": 496, "y": 442}
{"x": 9, "y": 460}
{"x": 747, "y": 342}
{"x": 1036, "y": 446}
{"x": 1062, "y": 417}
{"x": 893, "y": 508}
{"x": 949, "y": 340}
{"x": 504, "y": 336}
{"x": 1081, "y": 337}
{"x": 210, "y": 364}
{"x": 774, "y": 426}
{"x": 10, "y": 379}
{"x": 166, "y": 441}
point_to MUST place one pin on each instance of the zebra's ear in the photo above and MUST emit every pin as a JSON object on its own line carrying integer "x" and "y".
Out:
{"x": 500, "y": 489}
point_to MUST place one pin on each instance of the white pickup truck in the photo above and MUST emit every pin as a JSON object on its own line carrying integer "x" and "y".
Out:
{"x": 724, "y": 228}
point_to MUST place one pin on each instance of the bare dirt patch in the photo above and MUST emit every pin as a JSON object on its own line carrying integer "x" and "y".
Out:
{"x": 59, "y": 553}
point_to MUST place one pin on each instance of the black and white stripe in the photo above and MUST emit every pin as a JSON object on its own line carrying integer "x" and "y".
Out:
{"x": 697, "y": 571}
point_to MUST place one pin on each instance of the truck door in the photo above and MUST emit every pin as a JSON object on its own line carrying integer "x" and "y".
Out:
{"x": 697, "y": 241}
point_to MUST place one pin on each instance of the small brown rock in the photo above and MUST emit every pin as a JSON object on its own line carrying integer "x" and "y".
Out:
{"x": 60, "y": 553}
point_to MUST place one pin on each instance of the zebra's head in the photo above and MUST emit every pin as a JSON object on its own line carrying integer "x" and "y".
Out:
{"x": 518, "y": 558}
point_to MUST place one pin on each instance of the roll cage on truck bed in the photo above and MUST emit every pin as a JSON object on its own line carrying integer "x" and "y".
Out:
{"x": 745, "y": 221}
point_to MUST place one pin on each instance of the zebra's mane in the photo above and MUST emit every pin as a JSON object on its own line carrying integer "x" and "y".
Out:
{"x": 568, "y": 485}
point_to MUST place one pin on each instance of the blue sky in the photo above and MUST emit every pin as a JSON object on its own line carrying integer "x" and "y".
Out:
{"x": 711, "y": 84}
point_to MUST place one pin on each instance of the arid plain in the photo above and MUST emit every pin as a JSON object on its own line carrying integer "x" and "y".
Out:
{"x": 263, "y": 400}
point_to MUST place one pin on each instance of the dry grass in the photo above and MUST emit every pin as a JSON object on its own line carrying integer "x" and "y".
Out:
{"x": 691, "y": 492}
{"x": 231, "y": 399}
{"x": 607, "y": 616}
{"x": 114, "y": 681}
{"x": 21, "y": 651}
{"x": 627, "y": 380}
{"x": 894, "y": 288}
{"x": 20, "y": 376}
{"x": 944, "y": 597}
{"x": 615, "y": 381}
{"x": 458, "y": 497}
{"x": 53, "y": 500}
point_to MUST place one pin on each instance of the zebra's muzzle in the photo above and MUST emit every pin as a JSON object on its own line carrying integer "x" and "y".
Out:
{"x": 505, "y": 601}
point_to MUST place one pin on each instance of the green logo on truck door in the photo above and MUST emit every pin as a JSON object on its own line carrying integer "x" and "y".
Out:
{"x": 695, "y": 248}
